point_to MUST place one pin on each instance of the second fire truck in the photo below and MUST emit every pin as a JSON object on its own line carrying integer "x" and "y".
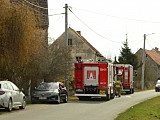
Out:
{"x": 125, "y": 72}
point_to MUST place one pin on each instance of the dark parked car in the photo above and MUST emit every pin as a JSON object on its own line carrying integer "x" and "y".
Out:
{"x": 157, "y": 86}
{"x": 11, "y": 96}
{"x": 49, "y": 92}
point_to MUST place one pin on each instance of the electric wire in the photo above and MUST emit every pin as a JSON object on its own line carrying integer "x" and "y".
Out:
{"x": 153, "y": 42}
{"x": 84, "y": 22}
{"x": 136, "y": 43}
{"x": 138, "y": 20}
{"x": 39, "y": 11}
{"x": 91, "y": 28}
{"x": 149, "y": 44}
{"x": 95, "y": 13}
{"x": 103, "y": 36}
{"x": 90, "y": 12}
{"x": 35, "y": 5}
{"x": 157, "y": 42}
{"x": 42, "y": 8}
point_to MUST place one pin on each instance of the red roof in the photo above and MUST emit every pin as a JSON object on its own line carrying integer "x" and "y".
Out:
{"x": 154, "y": 55}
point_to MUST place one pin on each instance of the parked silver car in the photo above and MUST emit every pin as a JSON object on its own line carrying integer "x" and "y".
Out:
{"x": 11, "y": 96}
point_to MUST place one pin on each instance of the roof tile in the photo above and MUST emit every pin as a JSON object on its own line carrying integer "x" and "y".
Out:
{"x": 154, "y": 55}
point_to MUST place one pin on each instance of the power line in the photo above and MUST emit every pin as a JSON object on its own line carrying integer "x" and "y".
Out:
{"x": 136, "y": 43}
{"x": 149, "y": 44}
{"x": 41, "y": 8}
{"x": 39, "y": 11}
{"x": 154, "y": 42}
{"x": 35, "y": 5}
{"x": 55, "y": 14}
{"x": 84, "y": 22}
{"x": 97, "y": 13}
{"x": 138, "y": 20}
{"x": 91, "y": 28}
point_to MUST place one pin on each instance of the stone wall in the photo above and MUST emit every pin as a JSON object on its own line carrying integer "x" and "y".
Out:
{"x": 151, "y": 72}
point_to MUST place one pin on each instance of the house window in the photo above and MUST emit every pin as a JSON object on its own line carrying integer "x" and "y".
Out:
{"x": 69, "y": 41}
{"x": 78, "y": 58}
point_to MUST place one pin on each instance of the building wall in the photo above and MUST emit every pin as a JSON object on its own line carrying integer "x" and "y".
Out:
{"x": 78, "y": 48}
{"x": 151, "y": 72}
{"x": 137, "y": 79}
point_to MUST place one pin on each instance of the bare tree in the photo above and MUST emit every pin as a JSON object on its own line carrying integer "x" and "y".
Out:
{"x": 60, "y": 62}
{"x": 23, "y": 52}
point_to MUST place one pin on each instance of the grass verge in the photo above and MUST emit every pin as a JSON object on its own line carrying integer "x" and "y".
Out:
{"x": 147, "y": 110}
{"x": 72, "y": 98}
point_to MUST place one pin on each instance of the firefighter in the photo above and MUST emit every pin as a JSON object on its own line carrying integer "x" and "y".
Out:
{"x": 114, "y": 87}
{"x": 118, "y": 86}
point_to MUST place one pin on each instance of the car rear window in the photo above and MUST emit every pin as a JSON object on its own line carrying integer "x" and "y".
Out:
{"x": 47, "y": 86}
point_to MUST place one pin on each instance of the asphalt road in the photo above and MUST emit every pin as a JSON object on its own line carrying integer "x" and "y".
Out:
{"x": 80, "y": 110}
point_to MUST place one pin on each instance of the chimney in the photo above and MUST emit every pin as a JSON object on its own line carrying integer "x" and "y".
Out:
{"x": 156, "y": 48}
{"x": 79, "y": 32}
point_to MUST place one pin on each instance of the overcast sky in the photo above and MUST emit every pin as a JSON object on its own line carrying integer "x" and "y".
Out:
{"x": 105, "y": 23}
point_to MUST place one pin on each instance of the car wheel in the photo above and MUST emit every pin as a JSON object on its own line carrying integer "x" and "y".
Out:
{"x": 155, "y": 90}
{"x": 58, "y": 99}
{"x": 10, "y": 105}
{"x": 33, "y": 101}
{"x": 23, "y": 104}
{"x": 66, "y": 99}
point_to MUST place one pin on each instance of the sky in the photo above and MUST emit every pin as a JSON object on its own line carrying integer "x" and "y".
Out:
{"x": 105, "y": 23}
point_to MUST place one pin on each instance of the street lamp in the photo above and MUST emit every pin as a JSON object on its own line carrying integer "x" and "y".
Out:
{"x": 143, "y": 61}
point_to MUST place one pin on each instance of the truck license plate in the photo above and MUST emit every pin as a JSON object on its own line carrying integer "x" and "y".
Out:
{"x": 102, "y": 92}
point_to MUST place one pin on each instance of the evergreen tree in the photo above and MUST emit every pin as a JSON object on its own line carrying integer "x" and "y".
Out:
{"x": 127, "y": 57}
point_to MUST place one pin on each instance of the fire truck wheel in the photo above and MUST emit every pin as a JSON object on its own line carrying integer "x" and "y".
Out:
{"x": 81, "y": 98}
{"x": 112, "y": 96}
{"x": 127, "y": 92}
{"x": 132, "y": 90}
{"x": 107, "y": 98}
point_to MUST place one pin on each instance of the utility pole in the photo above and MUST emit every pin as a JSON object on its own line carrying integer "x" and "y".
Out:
{"x": 143, "y": 63}
{"x": 66, "y": 38}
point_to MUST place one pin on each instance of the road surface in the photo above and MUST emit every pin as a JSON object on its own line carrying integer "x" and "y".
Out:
{"x": 80, "y": 110}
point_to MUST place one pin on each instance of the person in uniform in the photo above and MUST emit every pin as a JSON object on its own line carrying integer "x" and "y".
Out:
{"x": 118, "y": 86}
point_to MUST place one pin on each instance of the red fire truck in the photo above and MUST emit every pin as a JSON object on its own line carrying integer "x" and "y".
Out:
{"x": 125, "y": 72}
{"x": 94, "y": 79}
